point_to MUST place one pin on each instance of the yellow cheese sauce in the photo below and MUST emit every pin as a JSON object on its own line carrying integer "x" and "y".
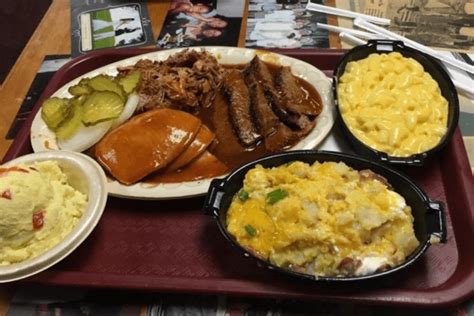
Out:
{"x": 392, "y": 105}
{"x": 324, "y": 219}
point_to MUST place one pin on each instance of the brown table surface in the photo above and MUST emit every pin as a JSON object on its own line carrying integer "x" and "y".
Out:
{"x": 52, "y": 37}
{"x": 48, "y": 39}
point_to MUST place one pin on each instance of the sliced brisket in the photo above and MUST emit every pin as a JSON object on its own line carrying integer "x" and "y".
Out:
{"x": 265, "y": 119}
{"x": 263, "y": 75}
{"x": 283, "y": 137}
{"x": 293, "y": 98}
{"x": 239, "y": 107}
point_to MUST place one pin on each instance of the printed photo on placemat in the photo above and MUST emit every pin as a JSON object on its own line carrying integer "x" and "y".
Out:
{"x": 284, "y": 24}
{"x": 109, "y": 24}
{"x": 448, "y": 25}
{"x": 202, "y": 22}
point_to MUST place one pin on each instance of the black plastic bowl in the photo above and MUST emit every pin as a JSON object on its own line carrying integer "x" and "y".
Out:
{"x": 430, "y": 65}
{"x": 429, "y": 219}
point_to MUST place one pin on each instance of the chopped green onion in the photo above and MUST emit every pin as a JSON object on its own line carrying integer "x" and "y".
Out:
{"x": 250, "y": 230}
{"x": 275, "y": 196}
{"x": 243, "y": 195}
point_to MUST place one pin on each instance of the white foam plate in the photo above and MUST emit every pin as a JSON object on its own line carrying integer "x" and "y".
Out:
{"x": 43, "y": 139}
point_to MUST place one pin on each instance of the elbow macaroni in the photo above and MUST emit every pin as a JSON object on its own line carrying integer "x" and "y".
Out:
{"x": 392, "y": 105}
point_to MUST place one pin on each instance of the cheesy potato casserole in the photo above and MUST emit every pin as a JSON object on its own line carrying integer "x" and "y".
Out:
{"x": 392, "y": 105}
{"x": 325, "y": 219}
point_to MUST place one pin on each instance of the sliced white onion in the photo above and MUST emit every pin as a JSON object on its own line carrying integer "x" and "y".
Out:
{"x": 128, "y": 110}
{"x": 85, "y": 137}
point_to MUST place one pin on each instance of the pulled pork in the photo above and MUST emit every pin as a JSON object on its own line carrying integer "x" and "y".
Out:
{"x": 185, "y": 81}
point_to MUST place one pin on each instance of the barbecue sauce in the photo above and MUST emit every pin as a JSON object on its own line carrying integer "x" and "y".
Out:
{"x": 230, "y": 153}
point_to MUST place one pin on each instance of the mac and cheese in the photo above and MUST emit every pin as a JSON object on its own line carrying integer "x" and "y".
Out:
{"x": 392, "y": 105}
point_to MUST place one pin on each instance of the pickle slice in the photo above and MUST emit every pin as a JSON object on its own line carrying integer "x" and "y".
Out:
{"x": 130, "y": 81}
{"x": 101, "y": 106}
{"x": 55, "y": 111}
{"x": 106, "y": 83}
{"x": 81, "y": 88}
{"x": 69, "y": 127}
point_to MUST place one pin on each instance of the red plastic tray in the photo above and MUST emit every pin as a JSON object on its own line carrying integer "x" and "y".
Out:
{"x": 172, "y": 246}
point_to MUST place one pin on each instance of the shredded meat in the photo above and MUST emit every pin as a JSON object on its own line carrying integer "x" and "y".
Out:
{"x": 262, "y": 109}
{"x": 186, "y": 80}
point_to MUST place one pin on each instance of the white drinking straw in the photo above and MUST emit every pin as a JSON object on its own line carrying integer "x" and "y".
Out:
{"x": 425, "y": 49}
{"x": 338, "y": 29}
{"x": 341, "y": 12}
{"x": 351, "y": 39}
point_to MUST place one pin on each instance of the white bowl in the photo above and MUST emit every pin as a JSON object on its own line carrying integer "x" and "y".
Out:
{"x": 85, "y": 175}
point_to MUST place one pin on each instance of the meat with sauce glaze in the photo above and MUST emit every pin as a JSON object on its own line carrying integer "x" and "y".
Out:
{"x": 239, "y": 107}
{"x": 261, "y": 105}
{"x": 187, "y": 80}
